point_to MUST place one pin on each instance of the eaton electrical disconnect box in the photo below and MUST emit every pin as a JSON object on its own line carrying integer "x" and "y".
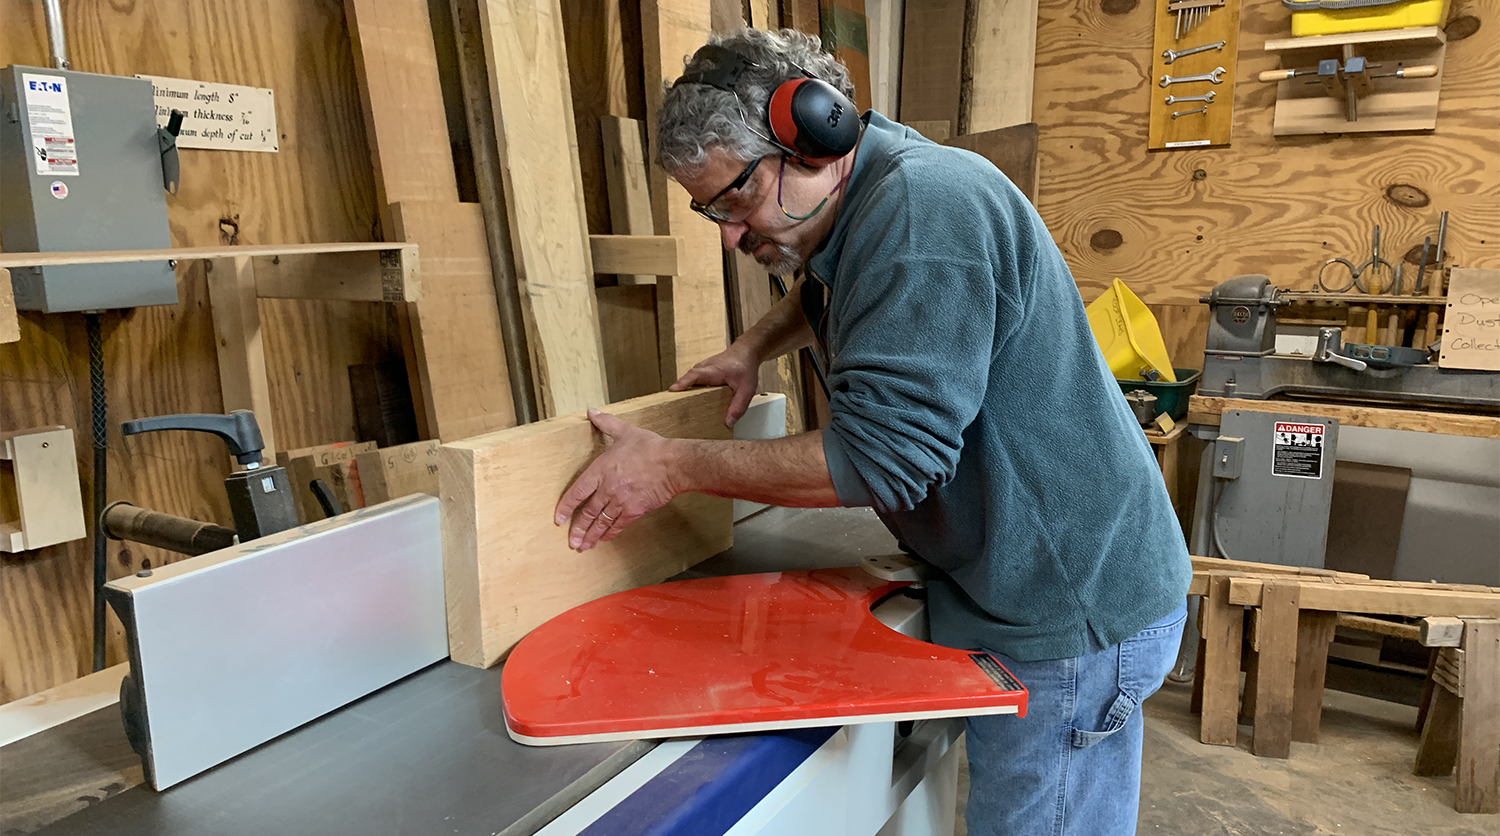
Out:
{"x": 80, "y": 169}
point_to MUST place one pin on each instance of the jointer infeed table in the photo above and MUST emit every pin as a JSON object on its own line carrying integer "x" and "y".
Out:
{"x": 431, "y": 754}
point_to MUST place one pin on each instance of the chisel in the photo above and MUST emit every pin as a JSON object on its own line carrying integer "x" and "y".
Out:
{"x": 1436, "y": 288}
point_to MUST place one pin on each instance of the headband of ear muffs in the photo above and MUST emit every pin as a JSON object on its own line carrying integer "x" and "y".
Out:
{"x": 809, "y": 118}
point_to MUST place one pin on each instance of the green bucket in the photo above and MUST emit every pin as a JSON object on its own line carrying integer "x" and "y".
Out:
{"x": 1171, "y": 398}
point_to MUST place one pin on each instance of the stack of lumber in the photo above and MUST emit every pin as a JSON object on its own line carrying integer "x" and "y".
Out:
{"x": 1294, "y": 612}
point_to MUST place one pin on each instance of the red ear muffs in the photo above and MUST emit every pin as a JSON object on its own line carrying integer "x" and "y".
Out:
{"x": 809, "y": 117}
{"x": 813, "y": 118}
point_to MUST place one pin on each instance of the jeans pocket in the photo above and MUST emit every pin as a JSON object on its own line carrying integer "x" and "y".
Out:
{"x": 1144, "y": 660}
{"x": 1119, "y": 712}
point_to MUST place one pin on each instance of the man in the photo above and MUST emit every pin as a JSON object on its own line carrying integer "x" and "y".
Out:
{"x": 969, "y": 406}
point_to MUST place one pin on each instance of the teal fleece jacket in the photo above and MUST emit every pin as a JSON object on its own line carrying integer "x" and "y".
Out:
{"x": 970, "y": 406}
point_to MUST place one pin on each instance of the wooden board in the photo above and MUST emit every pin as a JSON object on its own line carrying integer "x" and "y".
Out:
{"x": 627, "y": 323}
{"x": 1471, "y": 324}
{"x": 508, "y": 568}
{"x": 1223, "y": 634}
{"x": 41, "y": 477}
{"x": 1207, "y": 410}
{"x": 466, "y": 387}
{"x": 690, "y": 307}
{"x": 625, "y": 174}
{"x": 1277, "y": 646}
{"x": 1013, "y": 150}
{"x": 402, "y": 98}
{"x": 1172, "y": 225}
{"x": 537, "y": 144}
{"x": 662, "y": 255}
{"x": 1213, "y": 126}
{"x": 10, "y": 326}
{"x": 241, "y": 349}
{"x": 393, "y": 472}
{"x": 932, "y": 63}
{"x": 1314, "y": 633}
{"x": 1002, "y": 60}
{"x": 1478, "y": 785}
{"x": 9, "y": 260}
{"x": 1405, "y": 599}
{"x": 27, "y": 716}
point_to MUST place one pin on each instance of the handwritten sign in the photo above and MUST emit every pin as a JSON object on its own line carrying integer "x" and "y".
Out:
{"x": 225, "y": 117}
{"x": 1471, "y": 325}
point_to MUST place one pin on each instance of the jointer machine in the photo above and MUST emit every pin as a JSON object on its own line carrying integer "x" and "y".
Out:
{"x": 299, "y": 682}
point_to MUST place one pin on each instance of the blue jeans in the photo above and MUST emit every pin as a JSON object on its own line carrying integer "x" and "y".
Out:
{"x": 1072, "y": 765}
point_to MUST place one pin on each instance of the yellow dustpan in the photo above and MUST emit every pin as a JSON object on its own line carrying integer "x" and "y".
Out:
{"x": 1128, "y": 335}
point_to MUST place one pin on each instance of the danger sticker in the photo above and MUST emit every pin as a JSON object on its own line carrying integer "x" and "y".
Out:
{"x": 1298, "y": 450}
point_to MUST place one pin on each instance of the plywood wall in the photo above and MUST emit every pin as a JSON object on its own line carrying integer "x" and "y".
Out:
{"x": 317, "y": 188}
{"x": 1174, "y": 223}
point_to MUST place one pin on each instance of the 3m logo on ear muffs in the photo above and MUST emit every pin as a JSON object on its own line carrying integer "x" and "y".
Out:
{"x": 806, "y": 114}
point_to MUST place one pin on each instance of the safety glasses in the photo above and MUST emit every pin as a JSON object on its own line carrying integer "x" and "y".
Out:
{"x": 717, "y": 209}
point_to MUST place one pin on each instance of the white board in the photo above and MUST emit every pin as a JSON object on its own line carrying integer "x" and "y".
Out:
{"x": 224, "y": 117}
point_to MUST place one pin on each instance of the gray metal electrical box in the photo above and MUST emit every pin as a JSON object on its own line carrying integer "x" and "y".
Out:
{"x": 80, "y": 169}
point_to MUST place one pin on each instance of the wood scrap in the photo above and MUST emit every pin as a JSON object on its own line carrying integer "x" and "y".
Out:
{"x": 508, "y": 568}
{"x": 661, "y": 255}
{"x": 1440, "y": 631}
{"x": 393, "y": 472}
{"x": 10, "y": 325}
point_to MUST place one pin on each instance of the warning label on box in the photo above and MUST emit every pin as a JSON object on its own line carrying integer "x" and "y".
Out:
{"x": 1299, "y": 450}
{"x": 51, "y": 119}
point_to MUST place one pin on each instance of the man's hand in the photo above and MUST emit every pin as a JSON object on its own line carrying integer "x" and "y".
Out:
{"x": 629, "y": 479}
{"x": 736, "y": 367}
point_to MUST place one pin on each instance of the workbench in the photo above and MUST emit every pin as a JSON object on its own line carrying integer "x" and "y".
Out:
{"x": 430, "y": 754}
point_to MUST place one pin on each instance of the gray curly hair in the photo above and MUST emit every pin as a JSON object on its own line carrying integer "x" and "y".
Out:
{"x": 697, "y": 118}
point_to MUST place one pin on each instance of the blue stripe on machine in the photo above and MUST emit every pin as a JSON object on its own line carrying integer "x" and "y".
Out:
{"x": 712, "y": 786}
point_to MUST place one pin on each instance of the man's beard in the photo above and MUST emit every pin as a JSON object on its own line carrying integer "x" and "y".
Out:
{"x": 782, "y": 260}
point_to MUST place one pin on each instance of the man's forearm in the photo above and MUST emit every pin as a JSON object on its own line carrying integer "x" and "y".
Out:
{"x": 784, "y": 328}
{"x": 790, "y": 472}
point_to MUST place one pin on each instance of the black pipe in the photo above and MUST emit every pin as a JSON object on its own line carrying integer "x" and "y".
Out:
{"x": 123, "y": 521}
{"x": 101, "y": 464}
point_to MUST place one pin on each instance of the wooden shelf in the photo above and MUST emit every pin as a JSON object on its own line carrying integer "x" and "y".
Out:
{"x": 14, "y": 260}
{"x": 1420, "y": 36}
